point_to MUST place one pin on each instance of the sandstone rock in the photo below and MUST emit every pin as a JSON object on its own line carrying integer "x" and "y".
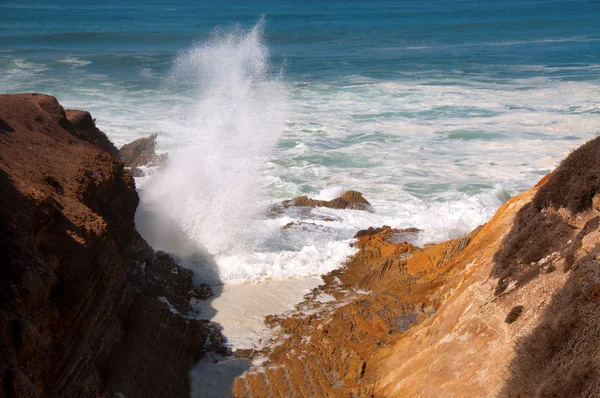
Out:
{"x": 376, "y": 299}
{"x": 77, "y": 318}
{"x": 349, "y": 200}
{"x": 142, "y": 152}
{"x": 408, "y": 321}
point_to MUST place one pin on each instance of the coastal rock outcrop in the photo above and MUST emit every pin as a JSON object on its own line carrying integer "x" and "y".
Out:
{"x": 329, "y": 341}
{"x": 353, "y": 200}
{"x": 510, "y": 310}
{"x": 142, "y": 152}
{"x": 303, "y": 205}
{"x": 80, "y": 307}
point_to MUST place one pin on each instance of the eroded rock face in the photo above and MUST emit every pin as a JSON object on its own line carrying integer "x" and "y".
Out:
{"x": 76, "y": 318}
{"x": 511, "y": 310}
{"x": 329, "y": 341}
{"x": 561, "y": 356}
{"x": 142, "y": 152}
{"x": 352, "y": 200}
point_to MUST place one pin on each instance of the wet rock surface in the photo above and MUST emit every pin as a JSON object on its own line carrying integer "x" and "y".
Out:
{"x": 79, "y": 313}
{"x": 157, "y": 274}
{"x": 302, "y": 205}
{"x": 352, "y": 200}
{"x": 142, "y": 152}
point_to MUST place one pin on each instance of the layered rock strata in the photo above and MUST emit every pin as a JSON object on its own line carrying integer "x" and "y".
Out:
{"x": 327, "y": 344}
{"x": 87, "y": 308}
{"x": 510, "y": 310}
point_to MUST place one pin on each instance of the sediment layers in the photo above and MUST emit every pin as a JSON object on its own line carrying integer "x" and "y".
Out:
{"x": 510, "y": 310}
{"x": 87, "y": 308}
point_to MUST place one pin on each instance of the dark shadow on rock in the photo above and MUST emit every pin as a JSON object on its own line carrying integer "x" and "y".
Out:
{"x": 5, "y": 128}
{"x": 164, "y": 234}
{"x": 561, "y": 356}
{"x": 75, "y": 321}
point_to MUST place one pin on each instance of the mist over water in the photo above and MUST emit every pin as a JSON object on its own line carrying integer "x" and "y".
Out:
{"x": 232, "y": 119}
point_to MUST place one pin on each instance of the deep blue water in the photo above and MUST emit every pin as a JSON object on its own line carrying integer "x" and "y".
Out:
{"x": 316, "y": 40}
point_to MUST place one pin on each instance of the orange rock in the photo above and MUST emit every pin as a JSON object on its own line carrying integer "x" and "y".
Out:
{"x": 429, "y": 322}
{"x": 377, "y": 300}
{"x": 349, "y": 200}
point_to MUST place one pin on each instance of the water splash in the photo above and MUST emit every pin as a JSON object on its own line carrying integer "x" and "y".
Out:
{"x": 234, "y": 113}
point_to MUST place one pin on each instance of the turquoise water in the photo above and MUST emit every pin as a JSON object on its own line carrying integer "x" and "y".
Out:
{"x": 438, "y": 111}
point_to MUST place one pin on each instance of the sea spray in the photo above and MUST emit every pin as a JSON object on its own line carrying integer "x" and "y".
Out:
{"x": 235, "y": 111}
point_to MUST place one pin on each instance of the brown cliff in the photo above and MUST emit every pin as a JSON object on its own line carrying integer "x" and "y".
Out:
{"x": 79, "y": 312}
{"x": 511, "y": 310}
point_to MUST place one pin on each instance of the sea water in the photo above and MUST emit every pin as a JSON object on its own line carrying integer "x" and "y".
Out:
{"x": 436, "y": 111}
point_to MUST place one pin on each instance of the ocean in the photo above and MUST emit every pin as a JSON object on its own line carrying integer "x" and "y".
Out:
{"x": 436, "y": 111}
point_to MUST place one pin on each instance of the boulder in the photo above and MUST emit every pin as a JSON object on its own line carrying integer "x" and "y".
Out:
{"x": 352, "y": 200}
{"x": 142, "y": 152}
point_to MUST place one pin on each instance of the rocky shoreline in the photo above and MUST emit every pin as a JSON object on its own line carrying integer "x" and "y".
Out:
{"x": 88, "y": 308}
{"x": 510, "y": 310}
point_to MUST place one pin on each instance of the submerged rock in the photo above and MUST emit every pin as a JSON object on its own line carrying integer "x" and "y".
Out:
{"x": 352, "y": 200}
{"x": 82, "y": 312}
{"x": 142, "y": 152}
{"x": 308, "y": 226}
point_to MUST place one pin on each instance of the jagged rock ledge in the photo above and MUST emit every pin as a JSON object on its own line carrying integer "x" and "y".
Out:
{"x": 351, "y": 200}
{"x": 87, "y": 308}
{"x": 511, "y": 310}
{"x": 142, "y": 153}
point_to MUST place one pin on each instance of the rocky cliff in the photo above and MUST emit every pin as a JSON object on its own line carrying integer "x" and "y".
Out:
{"x": 510, "y": 310}
{"x": 87, "y": 308}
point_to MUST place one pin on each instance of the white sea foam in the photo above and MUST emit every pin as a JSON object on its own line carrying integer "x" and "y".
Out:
{"x": 74, "y": 61}
{"x": 21, "y": 64}
{"x": 329, "y": 193}
{"x": 240, "y": 308}
{"x": 322, "y": 256}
